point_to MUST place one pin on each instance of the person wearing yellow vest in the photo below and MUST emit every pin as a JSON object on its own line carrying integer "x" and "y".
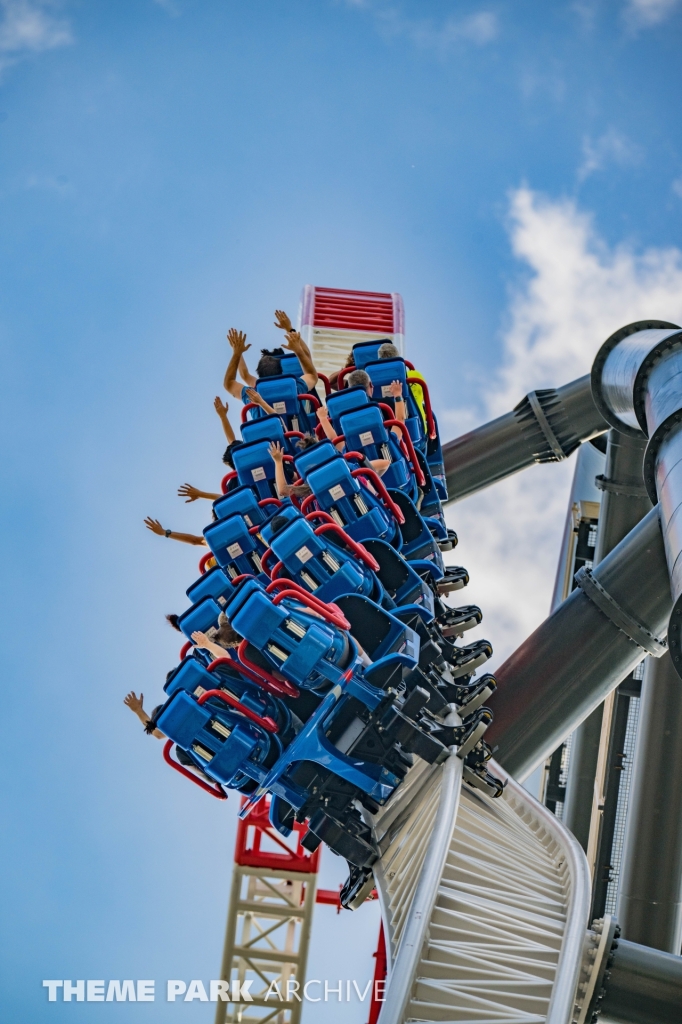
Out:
{"x": 389, "y": 351}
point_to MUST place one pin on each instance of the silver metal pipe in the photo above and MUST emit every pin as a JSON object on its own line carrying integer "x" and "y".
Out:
{"x": 573, "y": 660}
{"x": 650, "y": 899}
{"x": 546, "y": 426}
{"x": 637, "y": 385}
{"x": 644, "y": 986}
{"x": 624, "y": 503}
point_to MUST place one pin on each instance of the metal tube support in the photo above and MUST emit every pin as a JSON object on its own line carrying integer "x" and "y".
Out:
{"x": 625, "y": 502}
{"x": 643, "y": 986}
{"x": 546, "y": 426}
{"x": 582, "y": 651}
{"x": 637, "y": 385}
{"x": 650, "y": 900}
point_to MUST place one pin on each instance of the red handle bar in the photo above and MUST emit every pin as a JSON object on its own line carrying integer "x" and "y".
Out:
{"x": 411, "y": 454}
{"x": 266, "y": 723}
{"x": 226, "y": 479}
{"x": 216, "y": 791}
{"x": 204, "y": 559}
{"x": 281, "y": 686}
{"x": 250, "y": 405}
{"x": 430, "y": 422}
{"x": 264, "y": 558}
{"x": 358, "y": 550}
{"x": 319, "y": 514}
{"x": 382, "y": 492}
{"x": 306, "y": 503}
{"x": 185, "y": 649}
{"x": 292, "y": 585}
{"x": 315, "y": 605}
{"x": 341, "y": 379}
{"x": 250, "y": 673}
{"x": 325, "y": 380}
{"x": 310, "y": 398}
{"x": 269, "y": 501}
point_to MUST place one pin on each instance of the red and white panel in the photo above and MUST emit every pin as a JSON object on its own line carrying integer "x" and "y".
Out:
{"x": 332, "y": 320}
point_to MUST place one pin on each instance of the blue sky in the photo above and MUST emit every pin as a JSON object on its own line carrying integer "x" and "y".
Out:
{"x": 171, "y": 169}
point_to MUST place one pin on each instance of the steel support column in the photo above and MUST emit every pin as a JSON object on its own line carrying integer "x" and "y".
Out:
{"x": 624, "y": 504}
{"x": 644, "y": 986}
{"x": 650, "y": 902}
{"x": 581, "y": 652}
{"x": 546, "y": 426}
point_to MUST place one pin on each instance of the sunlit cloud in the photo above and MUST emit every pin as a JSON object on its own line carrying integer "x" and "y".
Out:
{"x": 646, "y": 13}
{"x": 479, "y": 28}
{"x": 30, "y": 26}
{"x": 610, "y": 148}
{"x": 576, "y": 290}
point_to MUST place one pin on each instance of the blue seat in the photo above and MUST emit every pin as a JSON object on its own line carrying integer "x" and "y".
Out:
{"x": 325, "y": 570}
{"x": 306, "y": 650}
{"x": 400, "y": 579}
{"x": 283, "y": 394}
{"x": 291, "y": 365}
{"x": 355, "y": 508}
{"x": 346, "y": 400}
{"x": 382, "y": 374}
{"x": 255, "y": 468}
{"x": 214, "y": 583}
{"x": 368, "y": 352}
{"x": 237, "y": 549}
{"x": 418, "y": 540}
{"x": 202, "y": 616}
{"x": 365, "y": 432}
{"x": 378, "y": 631}
{"x": 315, "y": 456}
{"x": 244, "y": 501}
{"x": 194, "y": 678}
{"x": 228, "y": 747}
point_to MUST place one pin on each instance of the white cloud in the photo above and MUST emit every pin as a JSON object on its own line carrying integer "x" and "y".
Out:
{"x": 170, "y": 7}
{"x": 577, "y": 292}
{"x": 645, "y": 13}
{"x": 479, "y": 28}
{"x": 611, "y": 147}
{"x": 30, "y": 26}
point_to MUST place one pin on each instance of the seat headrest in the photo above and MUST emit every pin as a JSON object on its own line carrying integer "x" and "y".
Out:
{"x": 265, "y": 428}
{"x": 368, "y": 351}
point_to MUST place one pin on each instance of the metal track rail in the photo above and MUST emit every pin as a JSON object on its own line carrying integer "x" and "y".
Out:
{"x": 485, "y": 904}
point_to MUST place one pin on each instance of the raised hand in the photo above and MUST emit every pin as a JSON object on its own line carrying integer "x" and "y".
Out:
{"x": 189, "y": 493}
{"x": 134, "y": 703}
{"x": 322, "y": 413}
{"x": 237, "y": 340}
{"x": 294, "y": 341}
{"x": 282, "y": 320}
{"x": 155, "y": 526}
{"x": 276, "y": 451}
{"x": 396, "y": 389}
{"x": 220, "y": 407}
{"x": 200, "y": 639}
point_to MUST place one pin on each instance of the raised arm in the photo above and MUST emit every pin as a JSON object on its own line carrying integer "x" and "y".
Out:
{"x": 257, "y": 400}
{"x": 190, "y": 493}
{"x": 246, "y": 376}
{"x": 277, "y": 453}
{"x": 187, "y": 538}
{"x": 400, "y": 406}
{"x": 237, "y": 340}
{"x": 221, "y": 409}
{"x": 323, "y": 417}
{"x": 296, "y": 344}
{"x": 136, "y": 706}
{"x": 201, "y": 640}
